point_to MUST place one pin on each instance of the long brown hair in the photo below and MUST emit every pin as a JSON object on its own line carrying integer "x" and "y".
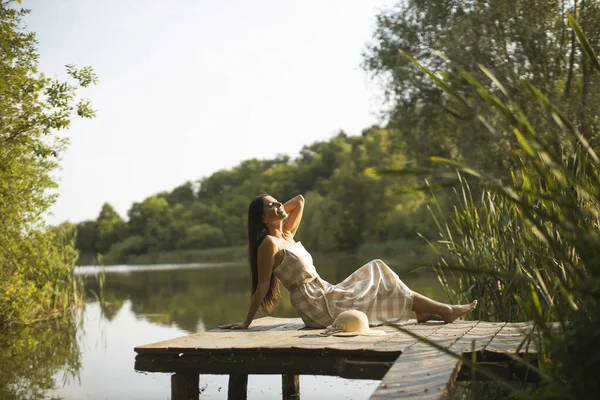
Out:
{"x": 257, "y": 231}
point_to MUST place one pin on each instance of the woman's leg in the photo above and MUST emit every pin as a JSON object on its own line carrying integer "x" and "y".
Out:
{"x": 428, "y": 309}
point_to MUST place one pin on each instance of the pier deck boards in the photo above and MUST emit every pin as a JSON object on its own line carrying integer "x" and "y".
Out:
{"x": 407, "y": 367}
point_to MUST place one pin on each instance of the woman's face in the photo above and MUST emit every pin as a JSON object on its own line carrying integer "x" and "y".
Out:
{"x": 273, "y": 211}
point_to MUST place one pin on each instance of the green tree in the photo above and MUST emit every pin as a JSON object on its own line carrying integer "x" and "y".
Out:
{"x": 202, "y": 236}
{"x": 86, "y": 237}
{"x": 110, "y": 228}
{"x": 516, "y": 40}
{"x": 184, "y": 194}
{"x": 152, "y": 219}
{"x": 36, "y": 263}
{"x": 320, "y": 220}
{"x": 131, "y": 245}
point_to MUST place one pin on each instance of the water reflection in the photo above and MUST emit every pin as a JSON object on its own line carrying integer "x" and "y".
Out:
{"x": 92, "y": 356}
{"x": 36, "y": 359}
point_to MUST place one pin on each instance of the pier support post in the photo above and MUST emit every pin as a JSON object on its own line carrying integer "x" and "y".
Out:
{"x": 185, "y": 386}
{"x": 290, "y": 385}
{"x": 238, "y": 387}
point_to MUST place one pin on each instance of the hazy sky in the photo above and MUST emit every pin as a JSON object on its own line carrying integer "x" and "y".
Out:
{"x": 188, "y": 87}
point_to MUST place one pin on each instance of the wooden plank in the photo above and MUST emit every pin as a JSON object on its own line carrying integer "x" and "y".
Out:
{"x": 290, "y": 387}
{"x": 482, "y": 334}
{"x": 394, "y": 342}
{"x": 418, "y": 374}
{"x": 447, "y": 335}
{"x": 508, "y": 340}
{"x": 267, "y": 323}
{"x": 314, "y": 341}
{"x": 222, "y": 340}
{"x": 238, "y": 387}
{"x": 185, "y": 386}
{"x": 210, "y": 341}
{"x": 422, "y": 371}
{"x": 411, "y": 323}
{"x": 402, "y": 341}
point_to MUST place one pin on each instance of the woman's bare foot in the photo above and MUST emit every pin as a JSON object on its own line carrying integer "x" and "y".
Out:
{"x": 424, "y": 317}
{"x": 459, "y": 311}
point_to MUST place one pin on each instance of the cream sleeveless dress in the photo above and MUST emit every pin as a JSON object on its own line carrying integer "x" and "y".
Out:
{"x": 373, "y": 289}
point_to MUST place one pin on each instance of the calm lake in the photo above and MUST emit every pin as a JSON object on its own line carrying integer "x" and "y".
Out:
{"x": 91, "y": 355}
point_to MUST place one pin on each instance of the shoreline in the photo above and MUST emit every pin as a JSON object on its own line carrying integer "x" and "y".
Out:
{"x": 391, "y": 251}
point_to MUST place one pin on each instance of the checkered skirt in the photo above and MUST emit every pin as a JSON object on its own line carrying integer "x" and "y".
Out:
{"x": 373, "y": 289}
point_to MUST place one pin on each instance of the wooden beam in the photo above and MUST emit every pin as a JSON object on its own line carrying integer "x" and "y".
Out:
{"x": 290, "y": 385}
{"x": 238, "y": 387}
{"x": 185, "y": 386}
{"x": 351, "y": 366}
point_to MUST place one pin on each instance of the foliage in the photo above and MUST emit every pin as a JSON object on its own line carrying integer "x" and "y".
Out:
{"x": 36, "y": 262}
{"x": 530, "y": 248}
{"x": 518, "y": 41}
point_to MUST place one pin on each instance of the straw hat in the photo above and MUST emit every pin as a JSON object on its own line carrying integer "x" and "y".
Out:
{"x": 351, "y": 323}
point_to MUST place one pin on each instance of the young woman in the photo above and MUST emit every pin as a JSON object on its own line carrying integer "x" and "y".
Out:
{"x": 373, "y": 289}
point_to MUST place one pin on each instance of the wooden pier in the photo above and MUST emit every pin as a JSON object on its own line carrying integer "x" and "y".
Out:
{"x": 406, "y": 366}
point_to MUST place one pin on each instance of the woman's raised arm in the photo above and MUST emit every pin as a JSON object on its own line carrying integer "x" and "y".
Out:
{"x": 293, "y": 207}
{"x": 266, "y": 254}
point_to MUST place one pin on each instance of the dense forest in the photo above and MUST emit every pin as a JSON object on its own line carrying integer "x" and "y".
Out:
{"x": 347, "y": 206}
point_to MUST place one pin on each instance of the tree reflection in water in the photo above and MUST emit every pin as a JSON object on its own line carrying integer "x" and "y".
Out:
{"x": 32, "y": 357}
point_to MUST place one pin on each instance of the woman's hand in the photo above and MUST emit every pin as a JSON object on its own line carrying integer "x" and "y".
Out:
{"x": 242, "y": 325}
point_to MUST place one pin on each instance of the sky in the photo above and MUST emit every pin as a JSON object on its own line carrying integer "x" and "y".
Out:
{"x": 187, "y": 88}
